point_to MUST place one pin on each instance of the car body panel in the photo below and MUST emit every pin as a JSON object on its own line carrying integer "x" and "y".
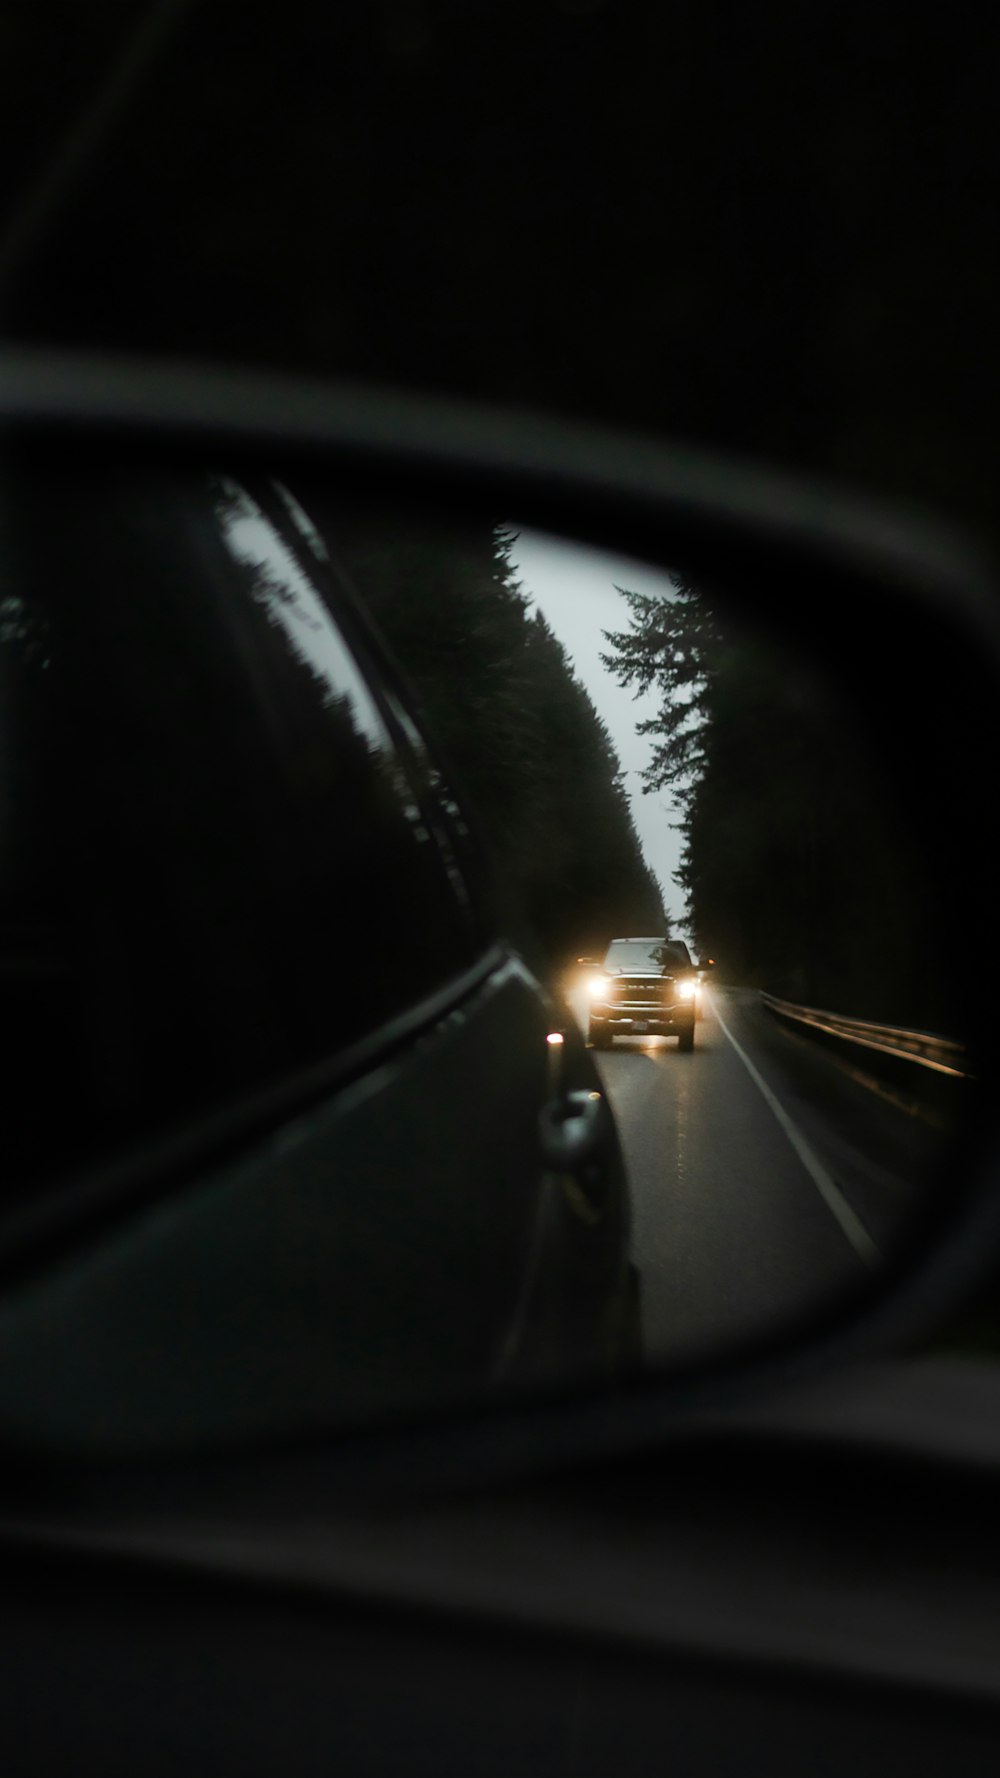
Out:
{"x": 359, "y": 1261}
{"x": 275, "y": 918}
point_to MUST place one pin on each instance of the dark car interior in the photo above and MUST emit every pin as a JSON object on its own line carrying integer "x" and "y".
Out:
{"x": 667, "y": 284}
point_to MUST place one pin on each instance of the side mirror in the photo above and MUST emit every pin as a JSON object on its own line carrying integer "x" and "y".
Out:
{"x": 326, "y": 723}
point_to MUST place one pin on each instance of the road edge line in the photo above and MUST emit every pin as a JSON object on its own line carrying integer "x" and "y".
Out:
{"x": 847, "y": 1218}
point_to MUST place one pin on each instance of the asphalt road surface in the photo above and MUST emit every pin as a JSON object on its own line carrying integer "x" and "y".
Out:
{"x": 767, "y": 1179}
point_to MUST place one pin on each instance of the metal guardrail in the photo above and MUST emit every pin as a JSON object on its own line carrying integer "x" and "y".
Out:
{"x": 943, "y": 1055}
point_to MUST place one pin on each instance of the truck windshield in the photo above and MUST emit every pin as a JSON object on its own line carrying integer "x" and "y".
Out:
{"x": 647, "y": 953}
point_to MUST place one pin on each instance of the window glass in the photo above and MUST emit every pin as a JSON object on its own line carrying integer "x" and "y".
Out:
{"x": 647, "y": 953}
{"x": 217, "y": 861}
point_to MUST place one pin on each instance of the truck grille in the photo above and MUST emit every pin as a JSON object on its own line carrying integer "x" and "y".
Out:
{"x": 640, "y": 992}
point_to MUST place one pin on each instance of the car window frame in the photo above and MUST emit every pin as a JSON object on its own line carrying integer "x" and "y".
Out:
{"x": 392, "y": 693}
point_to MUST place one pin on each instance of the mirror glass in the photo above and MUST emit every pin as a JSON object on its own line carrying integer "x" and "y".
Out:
{"x": 732, "y": 899}
{"x": 460, "y": 959}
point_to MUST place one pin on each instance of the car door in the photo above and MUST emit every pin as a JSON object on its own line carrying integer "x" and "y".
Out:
{"x": 284, "y": 1168}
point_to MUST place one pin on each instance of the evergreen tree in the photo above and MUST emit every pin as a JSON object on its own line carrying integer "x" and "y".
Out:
{"x": 499, "y": 697}
{"x": 797, "y": 876}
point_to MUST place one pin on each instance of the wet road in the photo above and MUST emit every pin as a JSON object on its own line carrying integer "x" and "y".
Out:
{"x": 766, "y": 1181}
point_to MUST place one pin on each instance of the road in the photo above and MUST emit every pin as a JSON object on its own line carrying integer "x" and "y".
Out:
{"x": 766, "y": 1180}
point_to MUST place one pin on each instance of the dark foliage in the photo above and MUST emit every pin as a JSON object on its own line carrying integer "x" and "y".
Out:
{"x": 800, "y": 874}
{"x": 520, "y": 732}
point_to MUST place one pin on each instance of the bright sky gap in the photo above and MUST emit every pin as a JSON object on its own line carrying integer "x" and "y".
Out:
{"x": 574, "y": 588}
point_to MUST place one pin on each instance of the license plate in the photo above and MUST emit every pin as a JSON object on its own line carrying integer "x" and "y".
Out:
{"x": 640, "y": 1025}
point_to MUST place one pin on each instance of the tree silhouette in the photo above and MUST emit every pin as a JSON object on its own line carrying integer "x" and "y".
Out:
{"x": 799, "y": 876}
{"x": 500, "y": 699}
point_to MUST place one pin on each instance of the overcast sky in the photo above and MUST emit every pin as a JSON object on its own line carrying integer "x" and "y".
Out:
{"x": 574, "y": 587}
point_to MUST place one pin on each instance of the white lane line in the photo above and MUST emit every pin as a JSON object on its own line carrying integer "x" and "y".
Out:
{"x": 828, "y": 1189}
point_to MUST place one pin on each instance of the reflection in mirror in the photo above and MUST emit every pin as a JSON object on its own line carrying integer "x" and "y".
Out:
{"x": 510, "y": 962}
{"x": 731, "y": 901}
